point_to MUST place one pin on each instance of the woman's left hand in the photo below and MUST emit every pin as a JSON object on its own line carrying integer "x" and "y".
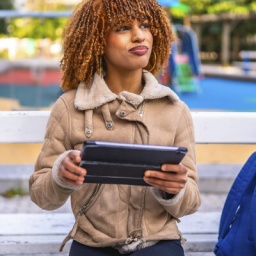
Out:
{"x": 172, "y": 178}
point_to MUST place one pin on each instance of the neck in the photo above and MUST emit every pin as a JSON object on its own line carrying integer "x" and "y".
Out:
{"x": 126, "y": 81}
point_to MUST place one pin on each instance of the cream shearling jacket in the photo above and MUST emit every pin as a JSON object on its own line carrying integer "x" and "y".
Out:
{"x": 123, "y": 216}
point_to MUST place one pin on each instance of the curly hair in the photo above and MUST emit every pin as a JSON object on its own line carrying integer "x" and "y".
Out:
{"x": 85, "y": 36}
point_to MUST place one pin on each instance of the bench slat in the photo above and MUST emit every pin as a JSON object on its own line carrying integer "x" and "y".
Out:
{"x": 36, "y": 224}
{"x": 39, "y": 244}
{"x": 44, "y": 232}
{"x": 23, "y": 126}
{"x": 200, "y": 243}
{"x": 51, "y": 244}
{"x": 29, "y": 127}
{"x": 200, "y": 223}
{"x": 224, "y": 127}
{"x": 61, "y": 223}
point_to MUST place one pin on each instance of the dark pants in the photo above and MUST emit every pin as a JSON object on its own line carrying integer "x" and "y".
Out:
{"x": 163, "y": 248}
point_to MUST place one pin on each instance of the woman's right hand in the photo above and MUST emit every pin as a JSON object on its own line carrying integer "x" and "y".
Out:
{"x": 69, "y": 170}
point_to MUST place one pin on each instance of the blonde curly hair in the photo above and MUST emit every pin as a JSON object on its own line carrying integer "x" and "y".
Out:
{"x": 87, "y": 30}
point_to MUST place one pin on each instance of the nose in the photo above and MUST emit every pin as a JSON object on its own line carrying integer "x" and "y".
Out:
{"x": 137, "y": 35}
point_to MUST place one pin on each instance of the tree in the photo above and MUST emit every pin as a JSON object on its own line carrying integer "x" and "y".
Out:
{"x": 226, "y": 6}
{"x": 223, "y": 27}
{"x": 214, "y": 7}
{"x": 5, "y": 5}
{"x": 37, "y": 28}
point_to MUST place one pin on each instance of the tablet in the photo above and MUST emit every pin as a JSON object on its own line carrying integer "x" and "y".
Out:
{"x": 122, "y": 163}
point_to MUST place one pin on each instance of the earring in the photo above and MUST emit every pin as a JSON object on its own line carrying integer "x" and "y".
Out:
{"x": 154, "y": 62}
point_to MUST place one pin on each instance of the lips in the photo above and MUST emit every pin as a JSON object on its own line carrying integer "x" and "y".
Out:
{"x": 139, "y": 50}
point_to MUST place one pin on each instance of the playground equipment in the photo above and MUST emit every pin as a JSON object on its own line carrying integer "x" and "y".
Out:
{"x": 185, "y": 65}
{"x": 183, "y": 72}
{"x": 248, "y": 60}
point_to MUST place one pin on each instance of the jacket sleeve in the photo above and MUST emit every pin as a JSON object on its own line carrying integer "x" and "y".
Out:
{"x": 44, "y": 190}
{"x": 188, "y": 200}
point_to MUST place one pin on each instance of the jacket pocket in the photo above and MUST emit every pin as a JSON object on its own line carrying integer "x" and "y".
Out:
{"x": 106, "y": 216}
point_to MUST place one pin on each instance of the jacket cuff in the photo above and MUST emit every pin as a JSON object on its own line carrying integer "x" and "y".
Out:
{"x": 55, "y": 170}
{"x": 161, "y": 196}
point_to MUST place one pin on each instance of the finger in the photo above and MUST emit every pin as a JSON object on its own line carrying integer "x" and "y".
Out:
{"x": 166, "y": 168}
{"x": 161, "y": 175}
{"x": 175, "y": 168}
{"x": 73, "y": 182}
{"x": 74, "y": 157}
{"x": 72, "y": 177}
{"x": 78, "y": 171}
{"x": 71, "y": 172}
{"x": 169, "y": 187}
{"x": 164, "y": 183}
{"x": 69, "y": 165}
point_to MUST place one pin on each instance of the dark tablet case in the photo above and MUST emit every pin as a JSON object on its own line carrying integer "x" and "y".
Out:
{"x": 120, "y": 163}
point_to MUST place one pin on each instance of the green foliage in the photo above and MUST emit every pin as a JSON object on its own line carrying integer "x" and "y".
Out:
{"x": 242, "y": 31}
{"x": 14, "y": 192}
{"x": 5, "y": 5}
{"x": 197, "y": 7}
{"x": 37, "y": 28}
{"x": 215, "y": 7}
{"x": 239, "y": 7}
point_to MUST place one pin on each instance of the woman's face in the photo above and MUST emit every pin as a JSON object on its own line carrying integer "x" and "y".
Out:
{"x": 129, "y": 46}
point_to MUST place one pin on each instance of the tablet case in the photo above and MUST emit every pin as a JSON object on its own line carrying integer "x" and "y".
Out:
{"x": 121, "y": 163}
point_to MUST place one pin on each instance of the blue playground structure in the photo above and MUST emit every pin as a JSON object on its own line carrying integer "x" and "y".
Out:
{"x": 184, "y": 69}
{"x": 184, "y": 62}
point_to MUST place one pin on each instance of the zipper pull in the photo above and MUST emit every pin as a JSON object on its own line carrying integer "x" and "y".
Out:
{"x": 142, "y": 109}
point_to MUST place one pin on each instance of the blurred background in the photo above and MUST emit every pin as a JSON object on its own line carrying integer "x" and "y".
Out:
{"x": 213, "y": 57}
{"x": 212, "y": 66}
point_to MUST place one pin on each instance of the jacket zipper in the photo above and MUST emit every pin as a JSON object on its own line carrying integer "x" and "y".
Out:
{"x": 81, "y": 211}
{"x": 85, "y": 206}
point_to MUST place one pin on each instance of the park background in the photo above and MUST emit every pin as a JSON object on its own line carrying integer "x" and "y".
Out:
{"x": 224, "y": 46}
{"x": 218, "y": 35}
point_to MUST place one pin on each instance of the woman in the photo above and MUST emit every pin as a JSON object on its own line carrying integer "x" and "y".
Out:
{"x": 112, "y": 48}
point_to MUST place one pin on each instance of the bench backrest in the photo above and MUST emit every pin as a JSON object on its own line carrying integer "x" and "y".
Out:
{"x": 210, "y": 127}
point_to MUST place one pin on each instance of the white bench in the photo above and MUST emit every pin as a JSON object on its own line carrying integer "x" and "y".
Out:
{"x": 43, "y": 233}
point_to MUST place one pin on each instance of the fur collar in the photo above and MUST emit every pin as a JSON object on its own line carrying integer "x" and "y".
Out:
{"x": 99, "y": 94}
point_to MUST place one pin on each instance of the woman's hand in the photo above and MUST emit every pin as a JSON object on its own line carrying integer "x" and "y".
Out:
{"x": 171, "y": 179}
{"x": 69, "y": 170}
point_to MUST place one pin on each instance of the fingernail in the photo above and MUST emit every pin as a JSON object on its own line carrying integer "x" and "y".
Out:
{"x": 147, "y": 173}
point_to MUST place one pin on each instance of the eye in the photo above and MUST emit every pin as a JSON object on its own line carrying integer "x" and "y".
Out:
{"x": 145, "y": 26}
{"x": 122, "y": 28}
